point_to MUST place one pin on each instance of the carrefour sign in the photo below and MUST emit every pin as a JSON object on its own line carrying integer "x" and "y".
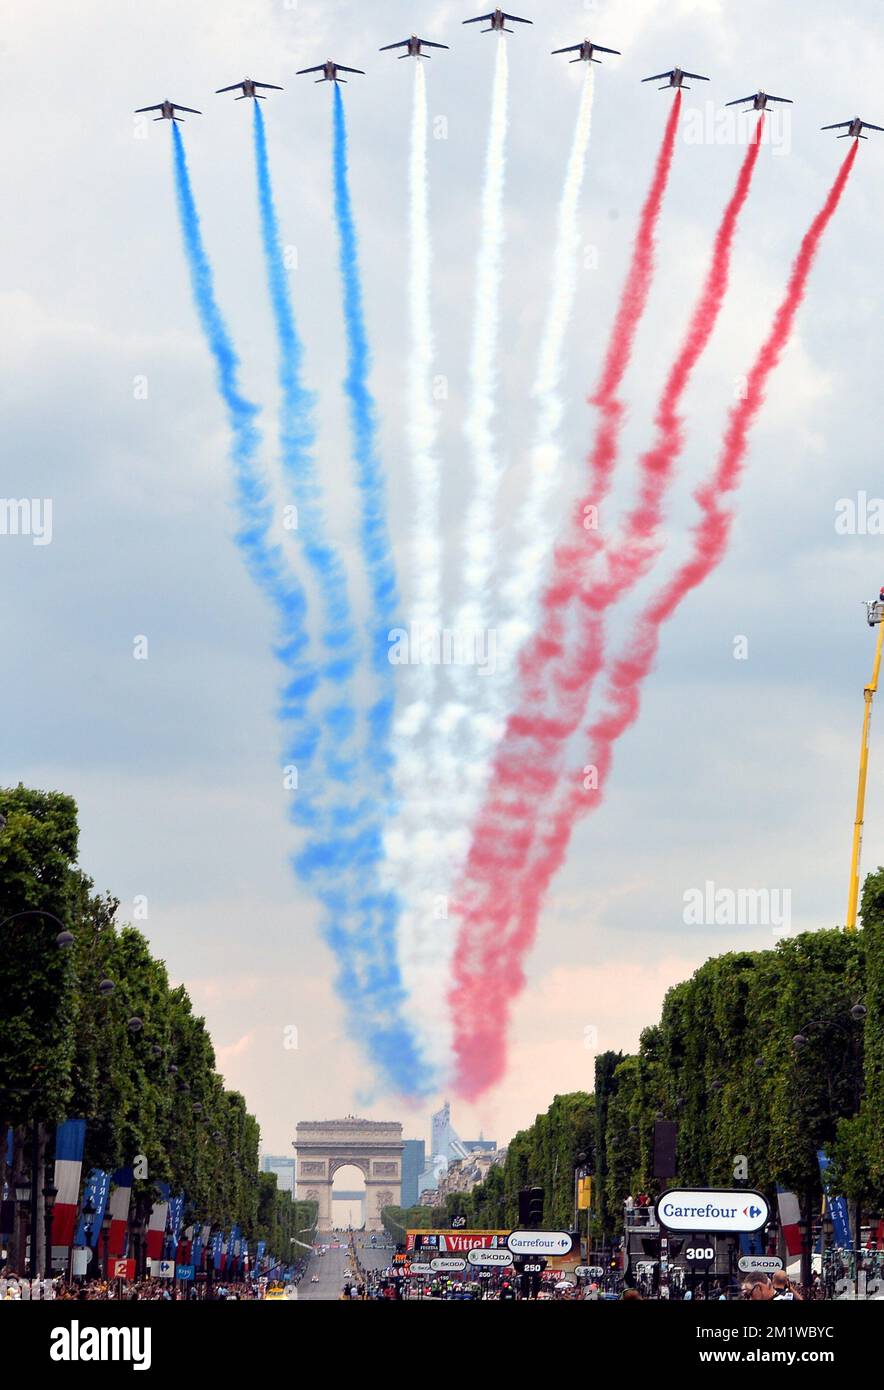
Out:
{"x": 712, "y": 1209}
{"x": 539, "y": 1242}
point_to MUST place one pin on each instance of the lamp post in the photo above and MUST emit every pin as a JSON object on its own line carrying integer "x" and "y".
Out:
{"x": 88, "y": 1218}
{"x": 579, "y": 1175}
{"x": 210, "y": 1259}
{"x": 844, "y": 1020}
{"x": 105, "y": 1238}
{"x": 22, "y": 1187}
{"x": 64, "y": 938}
{"x": 137, "y": 1227}
{"x": 50, "y": 1192}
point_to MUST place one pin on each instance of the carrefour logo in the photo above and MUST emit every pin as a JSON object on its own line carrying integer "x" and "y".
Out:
{"x": 709, "y": 1209}
{"x": 539, "y": 1242}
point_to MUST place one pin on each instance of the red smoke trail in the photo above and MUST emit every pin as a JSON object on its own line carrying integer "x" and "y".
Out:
{"x": 528, "y": 763}
{"x": 516, "y": 767}
{"x": 570, "y": 560}
{"x": 483, "y": 1000}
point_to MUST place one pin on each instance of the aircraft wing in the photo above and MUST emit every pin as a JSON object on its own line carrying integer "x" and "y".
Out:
{"x": 387, "y": 46}
{"x": 139, "y": 109}
{"x": 271, "y": 85}
{"x": 233, "y": 88}
{"x": 839, "y": 125}
{"x": 192, "y": 109}
{"x": 479, "y": 19}
{"x": 514, "y": 19}
{"x": 867, "y": 125}
{"x": 320, "y": 67}
{"x": 788, "y": 99}
{"x": 597, "y": 47}
{"x": 574, "y": 48}
{"x": 426, "y": 43}
{"x": 739, "y": 101}
{"x": 340, "y": 67}
{"x": 698, "y": 76}
{"x": 657, "y": 75}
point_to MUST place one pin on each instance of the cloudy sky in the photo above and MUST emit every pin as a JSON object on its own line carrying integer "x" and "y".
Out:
{"x": 741, "y": 772}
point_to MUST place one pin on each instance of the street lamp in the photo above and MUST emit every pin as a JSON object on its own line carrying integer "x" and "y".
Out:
{"x": 50, "y": 1192}
{"x": 137, "y": 1233}
{"x": 64, "y": 939}
{"x": 88, "y": 1218}
{"x": 841, "y": 1020}
{"x": 22, "y": 1185}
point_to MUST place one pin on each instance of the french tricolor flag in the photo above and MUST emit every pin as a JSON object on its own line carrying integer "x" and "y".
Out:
{"x": 156, "y": 1230}
{"x": 790, "y": 1217}
{"x": 119, "y": 1213}
{"x": 70, "y": 1138}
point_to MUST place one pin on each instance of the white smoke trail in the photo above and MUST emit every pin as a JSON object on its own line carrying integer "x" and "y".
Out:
{"x": 537, "y": 525}
{"x": 430, "y": 839}
{"x": 424, "y": 421}
{"x": 411, "y": 842}
{"x": 479, "y": 532}
{"x": 467, "y": 729}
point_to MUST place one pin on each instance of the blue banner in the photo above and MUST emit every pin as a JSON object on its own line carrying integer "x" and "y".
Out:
{"x": 176, "y": 1212}
{"x": 751, "y": 1243}
{"x": 95, "y": 1193}
{"x": 184, "y": 1272}
{"x": 835, "y": 1206}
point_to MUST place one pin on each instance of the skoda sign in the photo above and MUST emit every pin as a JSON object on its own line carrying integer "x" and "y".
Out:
{"x": 708, "y": 1209}
{"x": 497, "y": 1259}
{"x": 759, "y": 1264}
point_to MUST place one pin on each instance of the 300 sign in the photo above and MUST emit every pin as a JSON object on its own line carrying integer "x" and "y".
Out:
{"x": 700, "y": 1254}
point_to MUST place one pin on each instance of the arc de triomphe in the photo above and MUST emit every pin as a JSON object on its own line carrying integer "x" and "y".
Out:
{"x": 324, "y": 1146}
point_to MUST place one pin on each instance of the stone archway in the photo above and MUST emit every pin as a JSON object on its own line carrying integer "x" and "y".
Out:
{"x": 374, "y": 1146}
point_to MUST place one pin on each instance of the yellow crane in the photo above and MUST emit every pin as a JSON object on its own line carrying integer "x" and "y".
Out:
{"x": 875, "y": 612}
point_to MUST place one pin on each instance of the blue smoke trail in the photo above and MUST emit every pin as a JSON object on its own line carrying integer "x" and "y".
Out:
{"x": 263, "y": 558}
{"x": 335, "y": 863}
{"x": 342, "y": 863}
{"x": 298, "y": 439}
{"x": 367, "y": 844}
{"x": 376, "y": 548}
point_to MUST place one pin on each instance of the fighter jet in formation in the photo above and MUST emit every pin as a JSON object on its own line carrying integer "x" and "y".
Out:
{"x": 855, "y": 128}
{"x": 331, "y": 71}
{"x": 759, "y": 101}
{"x": 675, "y": 78}
{"x": 498, "y": 21}
{"x": 585, "y": 51}
{"x": 168, "y": 109}
{"x": 248, "y": 86}
{"x": 414, "y": 46}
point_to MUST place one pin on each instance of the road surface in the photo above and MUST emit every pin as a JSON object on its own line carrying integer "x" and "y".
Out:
{"x": 333, "y": 1265}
